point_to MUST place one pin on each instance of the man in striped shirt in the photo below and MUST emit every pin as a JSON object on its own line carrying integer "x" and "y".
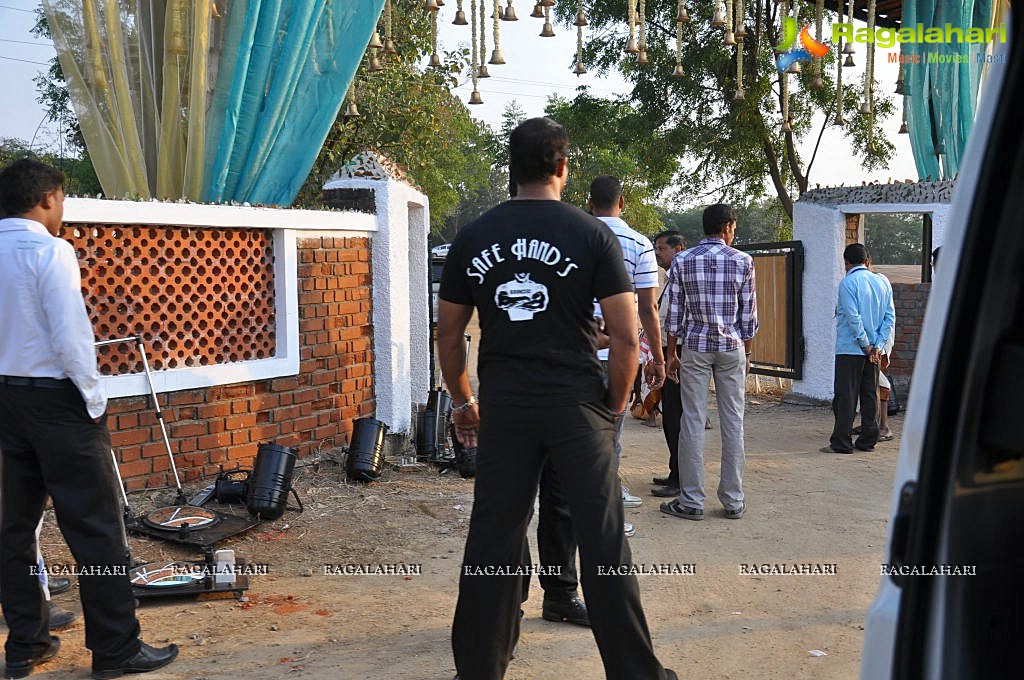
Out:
{"x": 606, "y": 204}
{"x": 712, "y": 317}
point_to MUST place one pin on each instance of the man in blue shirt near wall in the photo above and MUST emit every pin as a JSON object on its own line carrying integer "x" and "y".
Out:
{"x": 865, "y": 316}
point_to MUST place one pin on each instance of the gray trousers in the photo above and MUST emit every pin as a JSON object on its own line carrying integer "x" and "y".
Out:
{"x": 695, "y": 372}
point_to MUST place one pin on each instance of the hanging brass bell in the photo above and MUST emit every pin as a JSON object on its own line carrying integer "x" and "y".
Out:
{"x": 794, "y": 68}
{"x": 839, "y": 119}
{"x": 435, "y": 60}
{"x": 786, "y": 127}
{"x": 683, "y": 17}
{"x": 546, "y": 3}
{"x": 374, "y": 65}
{"x": 849, "y": 61}
{"x": 481, "y": 71}
{"x": 375, "y": 43}
{"x": 496, "y": 57}
{"x": 899, "y": 86}
{"x": 460, "y": 18}
{"x": 632, "y": 47}
{"x": 352, "y": 111}
{"x": 538, "y": 12}
{"x": 741, "y": 95}
{"x": 679, "y": 72}
{"x": 817, "y": 83}
{"x": 548, "y": 31}
{"x": 849, "y": 49}
{"x": 474, "y": 97}
{"x": 641, "y": 58}
{"x": 431, "y": 6}
{"x": 580, "y": 69}
{"x": 730, "y": 38}
{"x": 741, "y": 32}
{"x": 510, "y": 13}
{"x": 389, "y": 46}
{"x": 719, "y": 19}
{"x": 865, "y": 109}
{"x": 581, "y": 19}
{"x": 903, "y": 129}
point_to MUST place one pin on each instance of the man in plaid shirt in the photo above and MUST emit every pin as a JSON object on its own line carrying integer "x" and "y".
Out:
{"x": 712, "y": 317}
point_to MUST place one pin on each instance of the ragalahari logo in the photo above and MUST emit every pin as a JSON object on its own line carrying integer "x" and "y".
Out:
{"x": 810, "y": 47}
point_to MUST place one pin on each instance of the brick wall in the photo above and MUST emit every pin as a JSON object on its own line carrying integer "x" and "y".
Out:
{"x": 223, "y": 425}
{"x": 910, "y": 300}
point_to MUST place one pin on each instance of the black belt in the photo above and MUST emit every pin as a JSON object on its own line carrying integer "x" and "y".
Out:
{"x": 45, "y": 383}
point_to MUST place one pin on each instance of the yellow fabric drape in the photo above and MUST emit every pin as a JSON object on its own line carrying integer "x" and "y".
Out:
{"x": 144, "y": 120}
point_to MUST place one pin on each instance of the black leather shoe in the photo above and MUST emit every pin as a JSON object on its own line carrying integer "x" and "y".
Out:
{"x": 664, "y": 481}
{"x": 147, "y": 659}
{"x": 60, "y": 618}
{"x": 22, "y": 669}
{"x": 665, "y": 491}
{"x": 56, "y": 586}
{"x": 568, "y": 611}
{"x": 670, "y": 674}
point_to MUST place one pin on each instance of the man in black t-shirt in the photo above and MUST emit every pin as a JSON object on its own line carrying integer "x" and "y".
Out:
{"x": 532, "y": 267}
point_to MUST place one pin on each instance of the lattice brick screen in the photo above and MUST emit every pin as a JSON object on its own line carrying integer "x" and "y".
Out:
{"x": 198, "y": 297}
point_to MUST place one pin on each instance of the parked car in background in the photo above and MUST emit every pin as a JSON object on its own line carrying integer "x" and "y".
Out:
{"x": 436, "y": 267}
{"x": 950, "y": 603}
{"x": 441, "y": 250}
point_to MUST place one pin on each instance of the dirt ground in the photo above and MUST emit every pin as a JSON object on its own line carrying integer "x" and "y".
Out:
{"x": 803, "y": 507}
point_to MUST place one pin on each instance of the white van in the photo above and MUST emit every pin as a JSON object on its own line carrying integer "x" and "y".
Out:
{"x": 958, "y": 503}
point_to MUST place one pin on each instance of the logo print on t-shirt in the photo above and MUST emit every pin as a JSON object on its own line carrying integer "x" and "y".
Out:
{"x": 521, "y": 298}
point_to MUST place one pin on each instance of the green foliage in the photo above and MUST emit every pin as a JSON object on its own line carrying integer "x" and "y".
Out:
{"x": 54, "y": 96}
{"x": 615, "y": 138}
{"x": 761, "y": 222}
{"x": 894, "y": 238}
{"x": 732, "y": 149}
{"x": 79, "y": 177}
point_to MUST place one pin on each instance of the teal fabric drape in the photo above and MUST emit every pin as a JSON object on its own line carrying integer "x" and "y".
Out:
{"x": 286, "y": 68}
{"x": 941, "y": 97}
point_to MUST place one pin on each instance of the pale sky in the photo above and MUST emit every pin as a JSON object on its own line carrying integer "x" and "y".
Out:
{"x": 536, "y": 68}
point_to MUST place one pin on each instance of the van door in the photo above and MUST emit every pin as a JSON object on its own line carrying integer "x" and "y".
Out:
{"x": 956, "y": 548}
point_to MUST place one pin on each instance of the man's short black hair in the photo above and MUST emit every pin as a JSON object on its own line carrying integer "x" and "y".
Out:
{"x": 23, "y": 183}
{"x": 605, "y": 191}
{"x": 534, "y": 149}
{"x": 856, "y": 253}
{"x": 672, "y": 237}
{"x": 716, "y": 217}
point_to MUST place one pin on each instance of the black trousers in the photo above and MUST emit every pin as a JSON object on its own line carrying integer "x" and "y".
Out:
{"x": 855, "y": 378}
{"x": 671, "y": 414}
{"x": 556, "y": 543}
{"x": 515, "y": 443}
{"x": 50, "y": 446}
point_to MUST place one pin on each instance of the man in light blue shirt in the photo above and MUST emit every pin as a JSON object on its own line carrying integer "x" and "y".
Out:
{"x": 865, "y": 317}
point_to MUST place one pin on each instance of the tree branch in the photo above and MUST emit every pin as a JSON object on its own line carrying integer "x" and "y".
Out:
{"x": 821, "y": 133}
{"x": 776, "y": 175}
{"x": 794, "y": 163}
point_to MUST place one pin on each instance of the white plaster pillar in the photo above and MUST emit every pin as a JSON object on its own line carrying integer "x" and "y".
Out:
{"x": 822, "y": 229}
{"x": 401, "y": 328}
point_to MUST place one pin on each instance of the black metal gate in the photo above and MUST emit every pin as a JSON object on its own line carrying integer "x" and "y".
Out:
{"x": 778, "y": 347}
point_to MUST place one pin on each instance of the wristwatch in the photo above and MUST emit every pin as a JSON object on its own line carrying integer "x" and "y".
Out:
{"x": 461, "y": 408}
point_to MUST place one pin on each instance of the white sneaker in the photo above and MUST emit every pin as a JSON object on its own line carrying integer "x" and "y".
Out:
{"x": 629, "y": 500}
{"x": 628, "y": 529}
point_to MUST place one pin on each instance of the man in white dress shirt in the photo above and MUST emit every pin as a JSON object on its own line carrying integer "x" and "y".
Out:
{"x": 54, "y": 439}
